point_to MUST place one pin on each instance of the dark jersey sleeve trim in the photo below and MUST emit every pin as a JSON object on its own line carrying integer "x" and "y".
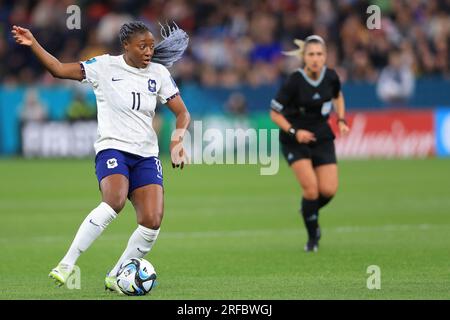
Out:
{"x": 83, "y": 71}
{"x": 173, "y": 96}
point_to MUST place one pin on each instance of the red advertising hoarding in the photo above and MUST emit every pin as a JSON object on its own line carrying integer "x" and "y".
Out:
{"x": 388, "y": 134}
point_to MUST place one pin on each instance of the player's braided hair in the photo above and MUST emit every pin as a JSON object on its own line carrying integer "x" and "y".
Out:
{"x": 169, "y": 50}
{"x": 130, "y": 28}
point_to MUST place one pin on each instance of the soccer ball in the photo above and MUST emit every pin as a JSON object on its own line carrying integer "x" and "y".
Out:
{"x": 136, "y": 277}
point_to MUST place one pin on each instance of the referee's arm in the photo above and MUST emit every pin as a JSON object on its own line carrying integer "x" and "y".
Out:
{"x": 302, "y": 136}
{"x": 280, "y": 120}
{"x": 287, "y": 92}
{"x": 339, "y": 105}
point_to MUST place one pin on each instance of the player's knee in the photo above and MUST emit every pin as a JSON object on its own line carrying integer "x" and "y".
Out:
{"x": 310, "y": 192}
{"x": 328, "y": 191}
{"x": 117, "y": 203}
{"x": 151, "y": 221}
{"x": 151, "y": 224}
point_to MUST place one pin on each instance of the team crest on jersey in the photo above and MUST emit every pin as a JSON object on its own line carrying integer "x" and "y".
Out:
{"x": 152, "y": 85}
{"x": 326, "y": 108}
{"x": 111, "y": 163}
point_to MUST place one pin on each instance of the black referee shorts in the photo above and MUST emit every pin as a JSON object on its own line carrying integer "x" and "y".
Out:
{"x": 320, "y": 152}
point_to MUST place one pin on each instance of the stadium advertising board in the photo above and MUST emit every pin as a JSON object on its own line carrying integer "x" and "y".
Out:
{"x": 442, "y": 123}
{"x": 389, "y": 134}
{"x": 54, "y": 139}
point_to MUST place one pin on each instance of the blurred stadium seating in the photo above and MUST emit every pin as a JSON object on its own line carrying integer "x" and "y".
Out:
{"x": 235, "y": 51}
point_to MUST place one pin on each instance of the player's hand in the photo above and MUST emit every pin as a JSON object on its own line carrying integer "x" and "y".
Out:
{"x": 22, "y": 36}
{"x": 344, "y": 129}
{"x": 304, "y": 136}
{"x": 178, "y": 154}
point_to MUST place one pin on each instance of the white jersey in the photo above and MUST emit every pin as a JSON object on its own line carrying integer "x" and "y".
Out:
{"x": 126, "y": 102}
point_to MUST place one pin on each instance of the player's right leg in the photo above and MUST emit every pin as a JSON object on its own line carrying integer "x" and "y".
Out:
{"x": 89, "y": 230}
{"x": 113, "y": 179}
{"x": 306, "y": 176}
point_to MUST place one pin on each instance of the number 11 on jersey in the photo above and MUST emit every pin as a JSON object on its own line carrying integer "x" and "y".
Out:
{"x": 138, "y": 105}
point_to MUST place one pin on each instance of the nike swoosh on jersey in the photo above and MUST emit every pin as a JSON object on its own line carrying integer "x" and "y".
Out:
{"x": 116, "y": 79}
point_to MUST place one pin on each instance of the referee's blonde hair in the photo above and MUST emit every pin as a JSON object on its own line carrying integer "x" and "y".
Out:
{"x": 302, "y": 44}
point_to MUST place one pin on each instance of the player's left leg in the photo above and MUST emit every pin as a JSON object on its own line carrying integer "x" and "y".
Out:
{"x": 325, "y": 167}
{"x": 147, "y": 196}
{"x": 327, "y": 182}
{"x": 148, "y": 203}
{"x": 327, "y": 179}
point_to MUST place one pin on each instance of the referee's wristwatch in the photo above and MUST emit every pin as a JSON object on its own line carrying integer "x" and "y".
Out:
{"x": 341, "y": 120}
{"x": 292, "y": 132}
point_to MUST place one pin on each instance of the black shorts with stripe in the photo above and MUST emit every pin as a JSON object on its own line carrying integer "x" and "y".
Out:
{"x": 320, "y": 152}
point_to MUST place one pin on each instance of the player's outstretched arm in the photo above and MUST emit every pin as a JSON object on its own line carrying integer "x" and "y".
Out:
{"x": 54, "y": 66}
{"x": 177, "y": 152}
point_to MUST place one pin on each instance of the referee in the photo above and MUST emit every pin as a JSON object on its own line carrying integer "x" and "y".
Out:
{"x": 301, "y": 109}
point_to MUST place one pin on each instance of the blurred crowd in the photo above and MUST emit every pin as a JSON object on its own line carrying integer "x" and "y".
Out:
{"x": 239, "y": 42}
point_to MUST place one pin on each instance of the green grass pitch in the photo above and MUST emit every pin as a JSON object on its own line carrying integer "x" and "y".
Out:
{"x": 229, "y": 233}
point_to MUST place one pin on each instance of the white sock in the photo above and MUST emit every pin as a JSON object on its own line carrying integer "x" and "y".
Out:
{"x": 140, "y": 243}
{"x": 90, "y": 229}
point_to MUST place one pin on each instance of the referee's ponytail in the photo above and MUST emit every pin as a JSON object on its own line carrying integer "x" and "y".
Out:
{"x": 169, "y": 50}
{"x": 302, "y": 45}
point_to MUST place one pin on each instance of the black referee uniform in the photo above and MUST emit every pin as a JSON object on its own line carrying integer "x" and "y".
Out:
{"x": 306, "y": 104}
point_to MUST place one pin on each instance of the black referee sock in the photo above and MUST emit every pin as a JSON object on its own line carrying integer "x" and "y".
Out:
{"x": 324, "y": 200}
{"x": 310, "y": 212}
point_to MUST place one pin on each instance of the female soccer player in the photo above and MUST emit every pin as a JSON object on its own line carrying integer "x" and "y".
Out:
{"x": 126, "y": 162}
{"x": 301, "y": 109}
